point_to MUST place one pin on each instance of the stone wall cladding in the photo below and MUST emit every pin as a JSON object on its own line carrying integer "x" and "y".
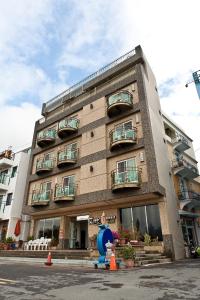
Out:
{"x": 168, "y": 245}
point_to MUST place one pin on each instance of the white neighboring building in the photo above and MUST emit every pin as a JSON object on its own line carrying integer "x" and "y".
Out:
{"x": 13, "y": 174}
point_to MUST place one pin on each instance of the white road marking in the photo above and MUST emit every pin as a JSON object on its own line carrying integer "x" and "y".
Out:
{"x": 7, "y": 280}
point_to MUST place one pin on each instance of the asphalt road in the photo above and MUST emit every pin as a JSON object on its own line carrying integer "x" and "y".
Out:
{"x": 180, "y": 280}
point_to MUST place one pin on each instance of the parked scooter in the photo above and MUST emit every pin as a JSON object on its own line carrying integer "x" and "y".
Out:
{"x": 194, "y": 251}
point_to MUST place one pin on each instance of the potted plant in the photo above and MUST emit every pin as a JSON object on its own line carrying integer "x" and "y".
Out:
{"x": 10, "y": 243}
{"x": 128, "y": 254}
{"x": 116, "y": 237}
{"x": 124, "y": 236}
{"x": 147, "y": 239}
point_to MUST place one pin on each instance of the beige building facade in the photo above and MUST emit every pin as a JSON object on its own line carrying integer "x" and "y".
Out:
{"x": 101, "y": 147}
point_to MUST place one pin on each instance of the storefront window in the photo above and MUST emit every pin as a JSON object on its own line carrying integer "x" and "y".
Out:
{"x": 144, "y": 219}
{"x": 49, "y": 228}
{"x": 126, "y": 215}
{"x": 153, "y": 220}
{"x": 139, "y": 219}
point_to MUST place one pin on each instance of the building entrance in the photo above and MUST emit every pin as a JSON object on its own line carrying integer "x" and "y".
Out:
{"x": 189, "y": 232}
{"x": 78, "y": 233}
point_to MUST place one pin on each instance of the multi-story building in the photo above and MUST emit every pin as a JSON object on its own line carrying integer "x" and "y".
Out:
{"x": 186, "y": 179}
{"x": 101, "y": 147}
{"x": 13, "y": 175}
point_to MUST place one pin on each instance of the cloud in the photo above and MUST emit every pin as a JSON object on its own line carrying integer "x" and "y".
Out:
{"x": 46, "y": 45}
{"x": 17, "y": 124}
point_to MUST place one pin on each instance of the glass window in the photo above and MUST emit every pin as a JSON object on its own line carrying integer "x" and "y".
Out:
{"x": 139, "y": 219}
{"x": 69, "y": 180}
{"x": 49, "y": 228}
{"x": 144, "y": 219}
{"x": 126, "y": 218}
{"x": 9, "y": 199}
{"x": 153, "y": 219}
{"x": 14, "y": 172}
{"x": 1, "y": 201}
{"x": 124, "y": 165}
{"x": 46, "y": 186}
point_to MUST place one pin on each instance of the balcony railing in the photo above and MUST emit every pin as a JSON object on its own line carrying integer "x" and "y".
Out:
{"x": 67, "y": 157}
{"x": 180, "y": 143}
{"x": 63, "y": 193}
{"x": 183, "y": 168}
{"x": 189, "y": 199}
{"x": 123, "y": 137}
{"x": 67, "y": 126}
{"x": 188, "y": 195}
{"x": 46, "y": 137}
{"x": 41, "y": 197}
{"x": 43, "y": 165}
{"x": 119, "y": 102}
{"x": 130, "y": 178}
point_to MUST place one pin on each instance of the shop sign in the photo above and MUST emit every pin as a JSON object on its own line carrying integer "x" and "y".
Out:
{"x": 82, "y": 218}
{"x": 97, "y": 220}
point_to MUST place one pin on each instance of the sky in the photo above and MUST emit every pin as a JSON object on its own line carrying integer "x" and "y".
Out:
{"x": 48, "y": 45}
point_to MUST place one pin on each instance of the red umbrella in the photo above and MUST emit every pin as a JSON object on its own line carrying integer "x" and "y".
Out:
{"x": 17, "y": 228}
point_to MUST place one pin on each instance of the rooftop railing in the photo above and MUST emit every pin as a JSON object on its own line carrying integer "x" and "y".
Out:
{"x": 51, "y": 103}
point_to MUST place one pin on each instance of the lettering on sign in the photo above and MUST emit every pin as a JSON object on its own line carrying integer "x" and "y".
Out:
{"x": 97, "y": 220}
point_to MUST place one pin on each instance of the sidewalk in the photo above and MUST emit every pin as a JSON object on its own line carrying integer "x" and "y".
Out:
{"x": 64, "y": 262}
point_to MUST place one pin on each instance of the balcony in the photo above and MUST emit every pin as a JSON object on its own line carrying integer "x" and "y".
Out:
{"x": 4, "y": 182}
{"x": 180, "y": 143}
{"x": 129, "y": 179}
{"x": 67, "y": 127}
{"x": 184, "y": 169}
{"x": 119, "y": 102}
{"x": 64, "y": 193}
{"x": 41, "y": 198}
{"x": 189, "y": 198}
{"x": 5, "y": 163}
{"x": 46, "y": 137}
{"x": 44, "y": 166}
{"x": 66, "y": 158}
{"x": 122, "y": 138}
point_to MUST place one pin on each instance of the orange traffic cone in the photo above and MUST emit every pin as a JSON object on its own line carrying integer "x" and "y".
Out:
{"x": 48, "y": 262}
{"x": 113, "y": 265}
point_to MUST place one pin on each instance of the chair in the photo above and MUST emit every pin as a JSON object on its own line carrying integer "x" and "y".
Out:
{"x": 35, "y": 244}
{"x": 28, "y": 245}
{"x": 42, "y": 243}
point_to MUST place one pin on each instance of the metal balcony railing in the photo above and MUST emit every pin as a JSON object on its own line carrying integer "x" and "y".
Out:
{"x": 180, "y": 143}
{"x": 130, "y": 176}
{"x": 67, "y": 155}
{"x": 128, "y": 135}
{"x": 69, "y": 123}
{"x": 188, "y": 195}
{"x": 44, "y": 164}
{"x": 121, "y": 97}
{"x": 46, "y": 136}
{"x": 65, "y": 191}
{"x": 41, "y": 196}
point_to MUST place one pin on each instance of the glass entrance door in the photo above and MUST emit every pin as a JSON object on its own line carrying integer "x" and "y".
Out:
{"x": 72, "y": 234}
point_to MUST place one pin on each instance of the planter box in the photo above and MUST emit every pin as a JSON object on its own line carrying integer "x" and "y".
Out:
{"x": 158, "y": 248}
